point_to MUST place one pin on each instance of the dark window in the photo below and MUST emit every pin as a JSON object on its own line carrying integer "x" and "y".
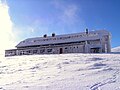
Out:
{"x": 95, "y": 50}
{"x": 88, "y": 42}
{"x": 66, "y": 48}
{"x": 20, "y": 53}
{"x": 29, "y": 51}
{"x": 49, "y": 50}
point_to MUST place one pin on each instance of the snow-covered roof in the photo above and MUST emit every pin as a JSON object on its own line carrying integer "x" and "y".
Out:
{"x": 66, "y": 38}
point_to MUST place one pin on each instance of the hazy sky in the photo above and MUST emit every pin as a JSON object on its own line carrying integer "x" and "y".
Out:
{"x": 33, "y": 18}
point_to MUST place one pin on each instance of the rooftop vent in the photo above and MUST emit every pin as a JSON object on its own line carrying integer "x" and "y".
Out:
{"x": 86, "y": 31}
{"x": 45, "y": 35}
{"x": 53, "y": 34}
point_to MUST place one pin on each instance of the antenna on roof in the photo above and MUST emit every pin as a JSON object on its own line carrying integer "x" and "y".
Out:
{"x": 86, "y": 31}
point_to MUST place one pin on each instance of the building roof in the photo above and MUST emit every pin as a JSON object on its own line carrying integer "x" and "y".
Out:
{"x": 66, "y": 38}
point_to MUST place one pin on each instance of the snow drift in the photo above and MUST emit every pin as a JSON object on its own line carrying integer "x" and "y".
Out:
{"x": 61, "y": 72}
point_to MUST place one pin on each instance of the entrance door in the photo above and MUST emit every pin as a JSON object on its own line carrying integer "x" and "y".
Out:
{"x": 61, "y": 51}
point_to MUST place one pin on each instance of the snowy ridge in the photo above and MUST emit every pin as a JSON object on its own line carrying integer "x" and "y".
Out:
{"x": 61, "y": 72}
{"x": 116, "y": 49}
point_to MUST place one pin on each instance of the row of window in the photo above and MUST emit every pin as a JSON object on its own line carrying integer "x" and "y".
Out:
{"x": 63, "y": 38}
{"x": 49, "y": 50}
{"x": 94, "y": 42}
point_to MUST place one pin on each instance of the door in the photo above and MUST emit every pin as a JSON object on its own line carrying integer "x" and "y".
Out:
{"x": 61, "y": 51}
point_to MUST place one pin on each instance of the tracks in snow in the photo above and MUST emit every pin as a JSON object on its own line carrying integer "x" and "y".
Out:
{"x": 113, "y": 79}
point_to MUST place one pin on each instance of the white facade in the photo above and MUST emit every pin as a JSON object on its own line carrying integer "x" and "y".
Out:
{"x": 85, "y": 42}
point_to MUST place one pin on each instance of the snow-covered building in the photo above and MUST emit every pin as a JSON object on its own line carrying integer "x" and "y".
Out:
{"x": 84, "y": 42}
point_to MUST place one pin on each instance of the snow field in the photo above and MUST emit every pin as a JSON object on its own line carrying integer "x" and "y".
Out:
{"x": 61, "y": 72}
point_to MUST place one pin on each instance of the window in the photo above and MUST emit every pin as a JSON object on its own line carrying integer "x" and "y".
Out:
{"x": 106, "y": 38}
{"x": 42, "y": 51}
{"x": 88, "y": 42}
{"x": 97, "y": 41}
{"x": 66, "y": 48}
{"x": 95, "y": 50}
{"x": 49, "y": 50}
{"x": 28, "y": 51}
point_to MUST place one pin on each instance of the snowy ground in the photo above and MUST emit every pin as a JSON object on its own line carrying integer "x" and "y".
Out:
{"x": 61, "y": 72}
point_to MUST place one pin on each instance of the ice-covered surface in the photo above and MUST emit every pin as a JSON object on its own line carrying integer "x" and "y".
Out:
{"x": 61, "y": 72}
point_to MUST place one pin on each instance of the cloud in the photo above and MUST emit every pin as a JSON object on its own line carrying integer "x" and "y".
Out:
{"x": 6, "y": 33}
{"x": 69, "y": 16}
{"x": 69, "y": 12}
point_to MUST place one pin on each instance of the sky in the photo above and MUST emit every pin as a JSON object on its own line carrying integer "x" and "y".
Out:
{"x": 21, "y": 19}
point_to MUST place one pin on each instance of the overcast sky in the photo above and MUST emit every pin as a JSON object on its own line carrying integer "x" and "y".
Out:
{"x": 33, "y": 18}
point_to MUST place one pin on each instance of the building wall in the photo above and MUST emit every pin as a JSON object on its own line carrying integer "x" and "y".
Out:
{"x": 48, "y": 50}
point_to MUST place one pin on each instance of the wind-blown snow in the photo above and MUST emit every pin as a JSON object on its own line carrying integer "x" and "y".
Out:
{"x": 61, "y": 72}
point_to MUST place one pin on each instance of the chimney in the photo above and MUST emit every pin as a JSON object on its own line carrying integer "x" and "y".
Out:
{"x": 53, "y": 34}
{"x": 45, "y": 35}
{"x": 86, "y": 31}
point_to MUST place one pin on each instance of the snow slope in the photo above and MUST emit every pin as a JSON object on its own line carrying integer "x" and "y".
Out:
{"x": 61, "y": 72}
{"x": 116, "y": 49}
